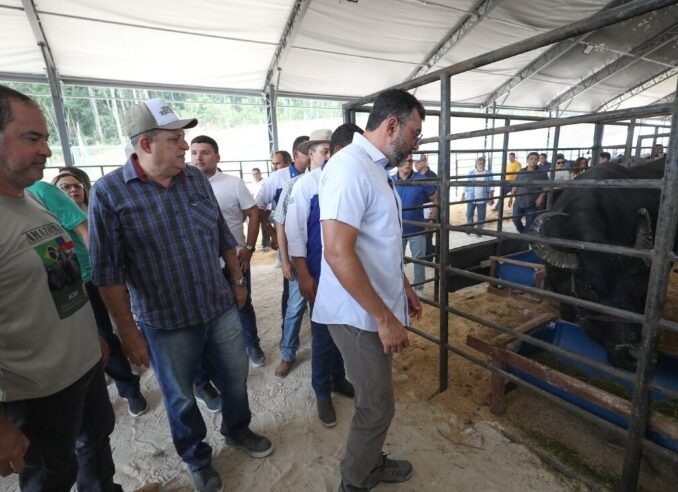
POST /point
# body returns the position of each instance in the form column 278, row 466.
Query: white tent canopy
column 339, row 48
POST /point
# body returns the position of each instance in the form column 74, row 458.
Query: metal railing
column 661, row 255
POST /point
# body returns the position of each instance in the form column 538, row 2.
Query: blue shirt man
column 302, row 227
column 413, row 198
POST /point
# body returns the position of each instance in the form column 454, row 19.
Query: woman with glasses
column 73, row 187
column 70, row 183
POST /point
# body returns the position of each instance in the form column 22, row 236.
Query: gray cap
column 151, row 115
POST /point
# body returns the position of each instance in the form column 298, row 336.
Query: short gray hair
column 150, row 134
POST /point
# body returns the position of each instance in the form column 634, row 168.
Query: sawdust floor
column 451, row 440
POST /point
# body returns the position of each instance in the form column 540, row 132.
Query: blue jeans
column 176, row 356
column 417, row 250
column 327, row 365
column 248, row 320
column 471, row 207
column 118, row 366
column 248, row 317
column 519, row 212
column 294, row 314
column 283, row 303
column 69, row 433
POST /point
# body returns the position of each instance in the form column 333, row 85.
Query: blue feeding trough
column 523, row 268
column 571, row 337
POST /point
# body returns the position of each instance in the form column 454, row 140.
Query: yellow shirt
column 512, row 167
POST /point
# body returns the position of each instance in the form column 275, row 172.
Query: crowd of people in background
column 524, row 201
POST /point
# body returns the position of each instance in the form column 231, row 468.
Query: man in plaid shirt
column 156, row 231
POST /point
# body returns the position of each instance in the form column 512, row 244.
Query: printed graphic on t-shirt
column 57, row 252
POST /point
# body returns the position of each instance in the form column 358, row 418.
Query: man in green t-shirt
column 52, row 387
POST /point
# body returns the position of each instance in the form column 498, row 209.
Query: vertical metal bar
column 654, row 140
column 349, row 115
column 629, row 142
column 654, row 307
column 52, row 77
column 272, row 118
column 60, row 113
column 487, row 125
column 444, row 216
column 597, row 142
column 502, row 189
column 494, row 123
column 639, row 144
column 556, row 141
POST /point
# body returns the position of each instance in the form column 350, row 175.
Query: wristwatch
column 250, row 248
column 241, row 282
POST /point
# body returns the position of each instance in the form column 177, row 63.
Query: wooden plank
column 527, row 327
column 511, row 261
column 658, row 423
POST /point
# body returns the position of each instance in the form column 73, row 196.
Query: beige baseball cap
column 154, row 114
column 317, row 136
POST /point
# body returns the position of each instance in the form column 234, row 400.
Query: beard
column 396, row 152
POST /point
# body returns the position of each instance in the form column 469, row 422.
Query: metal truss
column 455, row 34
column 289, row 32
column 542, row 61
column 667, row 99
column 653, row 44
column 634, row 91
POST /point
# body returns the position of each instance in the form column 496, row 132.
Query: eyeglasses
column 74, row 186
column 418, row 137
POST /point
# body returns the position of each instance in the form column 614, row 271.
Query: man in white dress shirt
column 363, row 295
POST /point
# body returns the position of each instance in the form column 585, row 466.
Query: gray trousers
column 369, row 369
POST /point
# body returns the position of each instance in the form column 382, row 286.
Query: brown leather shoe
column 284, row 368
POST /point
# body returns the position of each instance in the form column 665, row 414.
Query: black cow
column 625, row 217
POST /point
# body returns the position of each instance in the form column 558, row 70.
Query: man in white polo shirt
column 235, row 201
column 363, row 294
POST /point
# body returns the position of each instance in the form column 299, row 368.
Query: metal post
column 597, row 142
column 52, row 78
column 502, row 189
column 444, row 218
column 556, row 141
column 654, row 140
column 349, row 115
column 629, row 142
column 272, row 118
column 654, row 308
column 639, row 143
column 487, row 125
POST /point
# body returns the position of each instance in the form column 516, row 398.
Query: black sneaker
column 209, row 396
column 391, row 471
column 256, row 355
column 137, row 405
column 207, row 480
column 350, row 488
column 253, row 444
column 343, row 387
column 326, row 413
